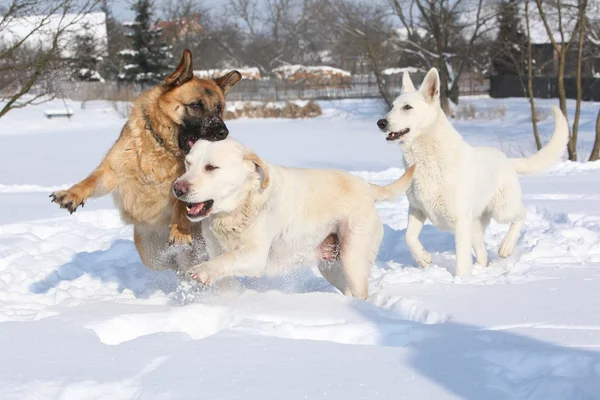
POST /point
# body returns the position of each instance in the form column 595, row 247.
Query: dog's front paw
column 423, row 259
column 482, row 259
column 68, row 199
column 462, row 269
column 179, row 236
column 506, row 248
column 203, row 274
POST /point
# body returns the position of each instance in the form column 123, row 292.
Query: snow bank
column 316, row 74
column 81, row 317
column 249, row 73
column 399, row 71
column 272, row 109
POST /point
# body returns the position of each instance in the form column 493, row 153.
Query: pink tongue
column 191, row 143
column 196, row 209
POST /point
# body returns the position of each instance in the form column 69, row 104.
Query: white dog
column 260, row 218
column 456, row 186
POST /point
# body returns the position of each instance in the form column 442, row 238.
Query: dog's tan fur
column 143, row 163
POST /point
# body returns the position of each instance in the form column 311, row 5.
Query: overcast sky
column 121, row 8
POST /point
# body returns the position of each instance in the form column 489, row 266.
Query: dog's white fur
column 266, row 218
column 456, row 186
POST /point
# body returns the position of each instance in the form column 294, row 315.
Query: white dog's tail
column 395, row 188
column 551, row 152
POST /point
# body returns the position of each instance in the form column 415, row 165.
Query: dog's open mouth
column 186, row 143
column 199, row 210
column 396, row 135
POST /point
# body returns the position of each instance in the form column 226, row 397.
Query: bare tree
column 263, row 28
column 276, row 32
column 530, row 93
column 362, row 29
column 443, row 34
column 511, row 53
column 186, row 26
column 569, row 18
column 115, row 42
column 595, row 155
column 507, row 51
column 33, row 35
column 581, row 34
column 594, row 38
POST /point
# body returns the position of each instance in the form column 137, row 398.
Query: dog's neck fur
column 154, row 125
column 437, row 145
column 227, row 226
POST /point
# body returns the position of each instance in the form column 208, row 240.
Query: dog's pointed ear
column 407, row 83
column 184, row 71
column 430, row 88
column 261, row 166
column 226, row 82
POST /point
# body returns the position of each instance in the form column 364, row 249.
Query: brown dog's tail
column 394, row 189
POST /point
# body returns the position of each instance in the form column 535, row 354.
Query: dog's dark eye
column 197, row 105
column 210, row 167
column 407, row 107
column 218, row 108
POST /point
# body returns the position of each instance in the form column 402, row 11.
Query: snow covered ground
column 82, row 318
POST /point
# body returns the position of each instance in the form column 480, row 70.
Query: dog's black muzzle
column 211, row 128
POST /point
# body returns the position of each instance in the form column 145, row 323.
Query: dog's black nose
column 382, row 123
column 221, row 133
column 180, row 188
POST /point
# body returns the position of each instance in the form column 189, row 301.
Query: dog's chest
column 223, row 238
column 433, row 201
column 144, row 190
column 432, row 188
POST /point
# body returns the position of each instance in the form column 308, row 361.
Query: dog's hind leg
column 463, row 243
column 151, row 247
column 508, row 208
column 416, row 220
column 332, row 271
column 479, row 227
column 360, row 240
column 329, row 264
column 510, row 240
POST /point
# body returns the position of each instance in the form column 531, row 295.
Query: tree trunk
column 383, row 90
column 454, row 94
column 536, row 134
column 562, row 97
column 444, row 99
column 445, row 104
column 573, row 140
column 595, row 155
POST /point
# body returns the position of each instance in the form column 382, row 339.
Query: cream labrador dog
column 262, row 218
column 458, row 187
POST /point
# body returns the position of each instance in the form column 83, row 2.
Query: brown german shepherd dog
column 142, row 165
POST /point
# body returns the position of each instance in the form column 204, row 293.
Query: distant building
column 545, row 58
column 177, row 29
